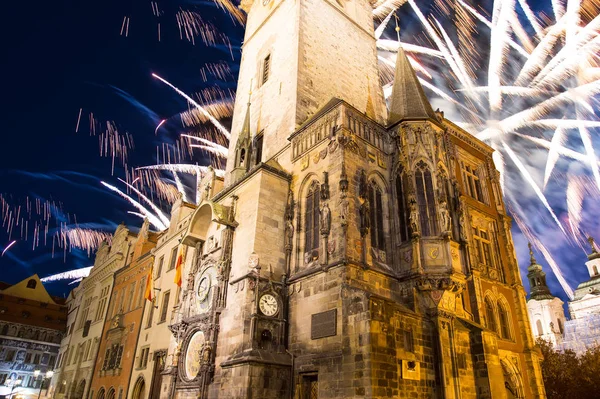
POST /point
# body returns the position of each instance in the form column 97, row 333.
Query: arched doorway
column 139, row 389
column 79, row 391
column 101, row 394
column 111, row 393
column 512, row 380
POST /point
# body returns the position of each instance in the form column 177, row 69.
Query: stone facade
column 347, row 255
column 88, row 304
column 547, row 315
column 114, row 364
column 31, row 327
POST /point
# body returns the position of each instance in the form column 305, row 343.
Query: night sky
column 63, row 56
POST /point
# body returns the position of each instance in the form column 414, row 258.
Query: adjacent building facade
column 114, row 364
column 31, row 327
column 547, row 314
column 89, row 302
column 353, row 251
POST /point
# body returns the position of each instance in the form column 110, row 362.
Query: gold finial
column 531, row 257
column 397, row 27
column 592, row 244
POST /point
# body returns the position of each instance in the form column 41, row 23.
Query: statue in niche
column 414, row 217
column 462, row 220
column 325, row 187
column 325, row 219
column 344, row 205
column 289, row 234
column 364, row 213
column 445, row 222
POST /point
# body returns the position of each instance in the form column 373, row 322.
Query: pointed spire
column 408, row 100
column 537, row 279
column 245, row 133
column 594, row 254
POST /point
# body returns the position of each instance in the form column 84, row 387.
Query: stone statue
column 325, row 187
column 289, row 233
column 462, row 221
column 344, row 205
column 444, row 217
column 414, row 217
column 325, row 219
column 364, row 211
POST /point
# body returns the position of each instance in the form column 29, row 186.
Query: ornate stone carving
column 445, row 221
column 364, row 213
column 325, row 219
column 325, row 187
column 414, row 218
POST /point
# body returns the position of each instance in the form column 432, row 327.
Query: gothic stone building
column 357, row 248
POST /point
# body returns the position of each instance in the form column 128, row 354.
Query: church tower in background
column 353, row 249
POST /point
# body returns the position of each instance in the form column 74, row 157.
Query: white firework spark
column 69, row 275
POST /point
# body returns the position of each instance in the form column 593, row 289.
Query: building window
column 159, row 267
column 143, row 359
column 310, row 386
column 425, row 200
column 150, row 314
column 165, row 306
column 31, row 284
column 173, row 261
column 10, row 355
column 102, row 303
column 402, row 208
column 409, row 345
column 258, row 147
column 36, row 358
column 472, row 182
column 311, row 214
column 490, row 315
column 540, row 330
column 140, row 295
column 106, row 360
column 377, row 236
column 504, row 321
column 266, row 69
column 483, row 246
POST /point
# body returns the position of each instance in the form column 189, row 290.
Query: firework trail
column 8, row 247
column 513, row 78
column 68, row 275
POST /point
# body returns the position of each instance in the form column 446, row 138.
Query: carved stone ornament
column 364, row 213
column 414, row 218
column 445, row 221
column 289, row 235
column 325, row 219
column 344, row 204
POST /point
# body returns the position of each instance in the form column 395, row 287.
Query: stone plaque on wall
column 323, row 324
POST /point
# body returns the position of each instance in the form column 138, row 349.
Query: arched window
column 401, row 190
column 595, row 268
column 311, row 217
column 561, row 328
column 31, row 283
column 377, row 237
column 504, row 320
column 425, row 200
column 540, row 330
column 490, row 315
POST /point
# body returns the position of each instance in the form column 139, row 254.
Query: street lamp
column 48, row 375
column 13, row 383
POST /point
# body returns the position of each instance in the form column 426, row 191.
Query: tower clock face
column 204, row 287
column 268, row 305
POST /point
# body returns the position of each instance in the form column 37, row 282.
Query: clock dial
column 203, row 288
column 268, row 305
column 192, row 355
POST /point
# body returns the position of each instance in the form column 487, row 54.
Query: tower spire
column 537, row 278
column 408, row 100
column 594, row 254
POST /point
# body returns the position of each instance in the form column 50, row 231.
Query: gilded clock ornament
column 268, row 305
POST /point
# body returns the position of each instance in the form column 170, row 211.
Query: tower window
column 312, row 218
column 504, row 320
column 377, row 236
column 490, row 315
column 402, row 211
column 425, row 200
column 595, row 268
column 483, row 246
column 258, row 147
column 266, row 69
column 472, row 182
column 31, row 283
column 540, row 330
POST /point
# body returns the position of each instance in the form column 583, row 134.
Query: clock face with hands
column 204, row 287
column 268, row 305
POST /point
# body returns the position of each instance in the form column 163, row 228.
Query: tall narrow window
column 472, row 182
column 165, row 306
column 402, row 209
column 504, row 320
column 173, row 260
column 377, row 237
column 150, row 314
column 258, row 147
column 159, row 267
column 540, row 330
column 311, row 217
column 490, row 315
column 483, row 246
column 425, row 200
column 131, row 304
column 266, row 70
